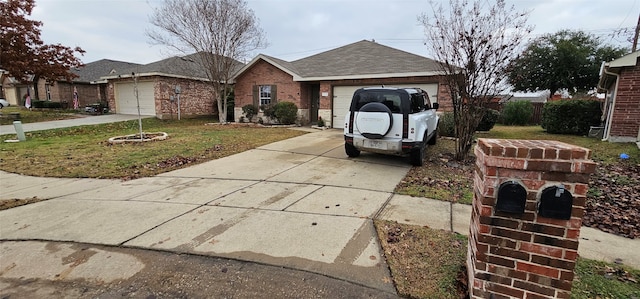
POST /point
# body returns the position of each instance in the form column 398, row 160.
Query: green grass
column 85, row 152
column 35, row 115
column 603, row 151
column 595, row 279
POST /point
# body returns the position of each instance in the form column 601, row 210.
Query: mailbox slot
column 555, row 202
column 512, row 198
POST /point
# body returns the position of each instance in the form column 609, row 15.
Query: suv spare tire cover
column 374, row 120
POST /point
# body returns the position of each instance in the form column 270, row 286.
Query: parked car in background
column 4, row 103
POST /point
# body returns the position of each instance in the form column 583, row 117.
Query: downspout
column 607, row 125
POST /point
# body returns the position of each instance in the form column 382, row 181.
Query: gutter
column 607, row 126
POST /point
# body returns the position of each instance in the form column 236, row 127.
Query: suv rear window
column 417, row 102
column 390, row 98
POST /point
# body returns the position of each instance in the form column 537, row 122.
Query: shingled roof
column 177, row 66
column 363, row 59
column 91, row 72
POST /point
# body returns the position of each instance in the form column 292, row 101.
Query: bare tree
column 473, row 41
column 223, row 32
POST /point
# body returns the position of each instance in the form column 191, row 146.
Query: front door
column 315, row 103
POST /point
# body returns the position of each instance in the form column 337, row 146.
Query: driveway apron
column 298, row 203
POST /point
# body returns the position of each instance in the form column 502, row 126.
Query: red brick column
column 514, row 255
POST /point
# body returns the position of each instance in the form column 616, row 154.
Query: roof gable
column 284, row 66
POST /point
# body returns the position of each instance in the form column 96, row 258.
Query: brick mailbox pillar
column 529, row 198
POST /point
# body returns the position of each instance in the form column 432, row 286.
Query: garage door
column 342, row 99
column 126, row 99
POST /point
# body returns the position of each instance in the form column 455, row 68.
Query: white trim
column 151, row 74
column 607, row 125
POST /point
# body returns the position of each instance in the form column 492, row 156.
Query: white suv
column 396, row 121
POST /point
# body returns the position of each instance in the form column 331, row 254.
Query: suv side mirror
column 435, row 106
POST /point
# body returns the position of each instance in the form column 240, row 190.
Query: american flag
column 27, row 101
column 75, row 98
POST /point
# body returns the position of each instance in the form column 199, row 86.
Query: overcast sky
column 114, row 29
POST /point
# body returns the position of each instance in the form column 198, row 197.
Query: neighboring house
column 619, row 80
column 322, row 85
column 156, row 89
column 90, row 88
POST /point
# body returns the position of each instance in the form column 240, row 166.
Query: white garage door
column 126, row 99
column 342, row 99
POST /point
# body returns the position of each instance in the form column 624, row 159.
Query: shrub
column 573, row 117
column 446, row 126
column 249, row 111
column 285, row 112
column 488, row 120
column 46, row 104
column 517, row 113
column 269, row 110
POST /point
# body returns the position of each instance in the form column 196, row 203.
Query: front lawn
column 35, row 115
column 85, row 152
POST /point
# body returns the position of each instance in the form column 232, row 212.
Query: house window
column 265, row 94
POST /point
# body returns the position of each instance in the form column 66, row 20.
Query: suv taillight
column 405, row 126
column 351, row 115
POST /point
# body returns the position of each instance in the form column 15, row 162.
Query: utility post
column 178, row 91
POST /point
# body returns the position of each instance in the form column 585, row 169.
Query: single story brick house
column 620, row 80
column 90, row 88
column 156, row 85
column 322, row 85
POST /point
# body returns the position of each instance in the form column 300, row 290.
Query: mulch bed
column 613, row 201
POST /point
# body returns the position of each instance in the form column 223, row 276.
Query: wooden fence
column 536, row 117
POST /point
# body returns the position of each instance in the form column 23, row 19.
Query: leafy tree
column 23, row 54
column 473, row 42
column 567, row 59
column 222, row 31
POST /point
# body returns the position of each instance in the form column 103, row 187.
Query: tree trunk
column 35, row 96
column 222, row 106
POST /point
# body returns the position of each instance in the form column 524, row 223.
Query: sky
column 115, row 29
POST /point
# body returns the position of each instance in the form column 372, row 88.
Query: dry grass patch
column 6, row 204
column 441, row 177
column 424, row 263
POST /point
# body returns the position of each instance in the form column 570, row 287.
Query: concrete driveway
column 299, row 203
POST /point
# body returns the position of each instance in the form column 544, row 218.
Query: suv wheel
column 434, row 138
column 351, row 150
column 417, row 155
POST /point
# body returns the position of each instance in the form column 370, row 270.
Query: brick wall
column 263, row 73
column 525, row 255
column 625, row 121
column 196, row 98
